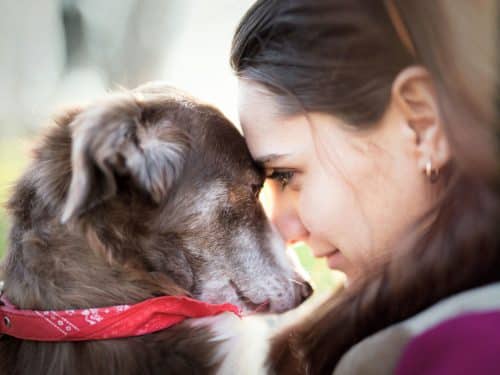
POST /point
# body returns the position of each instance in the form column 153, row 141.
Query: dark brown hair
column 323, row 56
column 341, row 57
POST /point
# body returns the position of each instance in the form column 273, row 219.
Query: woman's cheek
column 319, row 207
column 332, row 214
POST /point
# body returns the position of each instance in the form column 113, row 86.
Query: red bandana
column 102, row 323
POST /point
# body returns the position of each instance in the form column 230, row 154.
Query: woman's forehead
column 256, row 104
column 270, row 133
column 275, row 137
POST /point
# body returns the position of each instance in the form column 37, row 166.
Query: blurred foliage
column 3, row 233
column 322, row 279
column 13, row 159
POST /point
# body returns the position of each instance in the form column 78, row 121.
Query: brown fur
column 105, row 215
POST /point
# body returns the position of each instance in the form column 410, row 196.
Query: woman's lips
column 334, row 259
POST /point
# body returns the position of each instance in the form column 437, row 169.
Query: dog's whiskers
column 296, row 281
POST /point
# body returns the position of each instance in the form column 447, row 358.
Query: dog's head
column 168, row 183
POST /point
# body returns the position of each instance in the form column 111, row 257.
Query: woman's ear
column 414, row 96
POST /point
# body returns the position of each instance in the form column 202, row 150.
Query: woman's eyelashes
column 284, row 178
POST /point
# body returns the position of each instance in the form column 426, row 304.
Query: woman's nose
column 285, row 217
column 289, row 227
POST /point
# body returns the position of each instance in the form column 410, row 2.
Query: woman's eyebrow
column 269, row 158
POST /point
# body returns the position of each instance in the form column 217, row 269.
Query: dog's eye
column 256, row 188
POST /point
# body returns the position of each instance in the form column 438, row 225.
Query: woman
column 376, row 123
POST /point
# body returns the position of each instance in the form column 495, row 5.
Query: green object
column 323, row 279
column 12, row 162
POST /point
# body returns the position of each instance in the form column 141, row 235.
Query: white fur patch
column 209, row 201
column 242, row 344
column 279, row 249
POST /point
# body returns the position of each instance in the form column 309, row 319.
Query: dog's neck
column 242, row 344
column 104, row 323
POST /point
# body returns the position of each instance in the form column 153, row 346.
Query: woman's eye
column 283, row 178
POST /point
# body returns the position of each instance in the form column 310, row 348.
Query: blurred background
column 57, row 52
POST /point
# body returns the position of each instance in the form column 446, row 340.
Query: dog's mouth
column 249, row 304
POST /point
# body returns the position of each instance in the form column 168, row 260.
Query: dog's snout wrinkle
column 247, row 302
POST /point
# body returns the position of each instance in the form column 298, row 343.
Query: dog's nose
column 305, row 291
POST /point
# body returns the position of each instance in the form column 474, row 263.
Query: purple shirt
column 467, row 344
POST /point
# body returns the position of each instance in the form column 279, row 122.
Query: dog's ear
column 113, row 138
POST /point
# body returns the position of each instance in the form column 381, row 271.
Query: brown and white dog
column 142, row 194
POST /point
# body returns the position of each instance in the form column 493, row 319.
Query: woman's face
column 347, row 193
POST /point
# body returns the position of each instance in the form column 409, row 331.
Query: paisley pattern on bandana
column 149, row 316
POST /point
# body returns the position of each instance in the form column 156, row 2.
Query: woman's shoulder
column 466, row 344
column 379, row 353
